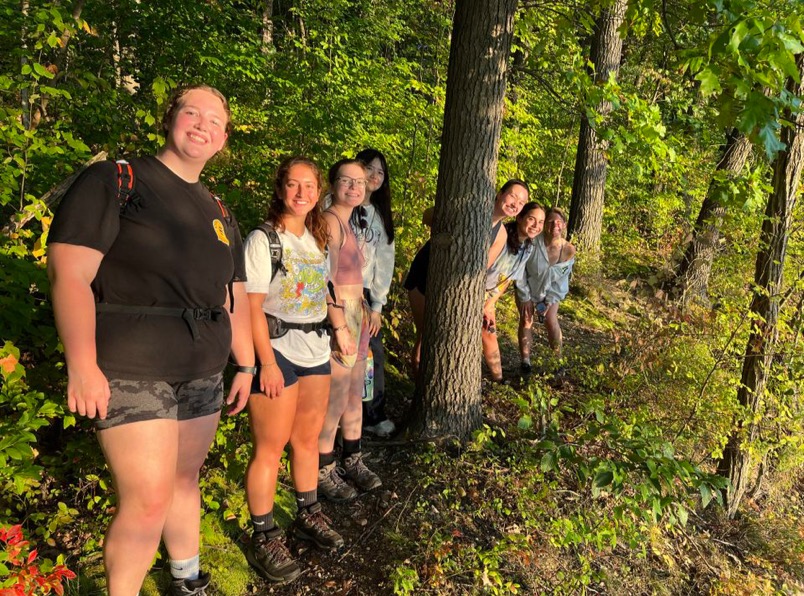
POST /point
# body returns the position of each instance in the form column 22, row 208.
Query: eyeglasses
column 351, row 182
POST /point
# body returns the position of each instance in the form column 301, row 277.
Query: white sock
column 186, row 569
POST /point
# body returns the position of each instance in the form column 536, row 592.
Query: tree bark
column 267, row 45
column 589, row 183
column 692, row 276
column 447, row 398
column 736, row 464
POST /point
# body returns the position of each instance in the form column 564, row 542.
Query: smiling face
column 349, row 186
column 554, row 226
column 530, row 224
column 510, row 201
column 374, row 174
column 197, row 130
column 300, row 190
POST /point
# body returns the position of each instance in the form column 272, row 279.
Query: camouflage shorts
column 134, row 401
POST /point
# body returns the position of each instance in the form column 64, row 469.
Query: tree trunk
column 736, row 463
column 589, row 183
column 447, row 398
column 692, row 276
column 267, row 45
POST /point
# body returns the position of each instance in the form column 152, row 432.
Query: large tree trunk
column 447, row 399
column 692, row 276
column 736, row 464
column 589, row 183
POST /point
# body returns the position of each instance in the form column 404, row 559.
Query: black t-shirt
column 171, row 247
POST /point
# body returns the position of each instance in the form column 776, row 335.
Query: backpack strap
column 275, row 247
column 125, row 183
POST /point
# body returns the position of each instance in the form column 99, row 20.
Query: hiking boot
column 356, row 471
column 190, row 587
column 331, row 485
column 311, row 524
column 383, row 429
column 269, row 555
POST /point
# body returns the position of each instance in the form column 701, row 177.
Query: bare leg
column 183, row 523
column 271, row 423
column 352, row 418
column 525, row 335
column 311, row 408
column 338, row 398
column 553, row 328
column 491, row 352
column 417, row 309
column 142, row 457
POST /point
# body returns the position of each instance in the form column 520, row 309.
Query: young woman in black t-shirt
column 142, row 307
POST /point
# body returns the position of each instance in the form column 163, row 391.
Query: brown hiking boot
column 311, row 524
column 331, row 485
column 269, row 555
column 357, row 471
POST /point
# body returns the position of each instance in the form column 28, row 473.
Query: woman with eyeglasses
column 545, row 284
column 348, row 184
column 289, row 395
column 373, row 223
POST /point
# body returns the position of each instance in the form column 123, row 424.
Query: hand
column 526, row 310
column 346, row 344
column 88, row 392
column 238, row 394
column 272, row 382
column 489, row 317
column 375, row 322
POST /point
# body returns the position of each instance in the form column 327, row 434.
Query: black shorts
column 417, row 275
column 135, row 401
column 291, row 372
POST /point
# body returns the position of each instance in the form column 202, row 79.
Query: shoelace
column 337, row 475
column 320, row 522
column 277, row 551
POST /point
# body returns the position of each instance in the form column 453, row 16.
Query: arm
column 381, row 282
column 242, row 349
column 497, row 246
column 271, row 380
column 71, row 269
column 335, row 312
column 490, row 306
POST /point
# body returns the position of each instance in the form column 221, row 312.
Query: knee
column 150, row 506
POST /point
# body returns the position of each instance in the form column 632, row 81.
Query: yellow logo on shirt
column 219, row 232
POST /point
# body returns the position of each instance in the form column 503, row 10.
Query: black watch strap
column 249, row 370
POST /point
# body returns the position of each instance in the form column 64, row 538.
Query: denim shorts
column 135, row 401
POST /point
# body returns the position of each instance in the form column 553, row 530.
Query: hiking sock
column 324, row 459
column 185, row 569
column 263, row 523
column 306, row 498
column 350, row 447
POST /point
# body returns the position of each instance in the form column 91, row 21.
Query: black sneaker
column 311, row 524
column 190, row 587
column 269, row 555
column 526, row 368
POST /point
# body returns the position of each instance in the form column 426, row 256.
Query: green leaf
column 771, row 142
column 710, row 82
column 706, row 495
column 42, row 71
column 603, row 479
